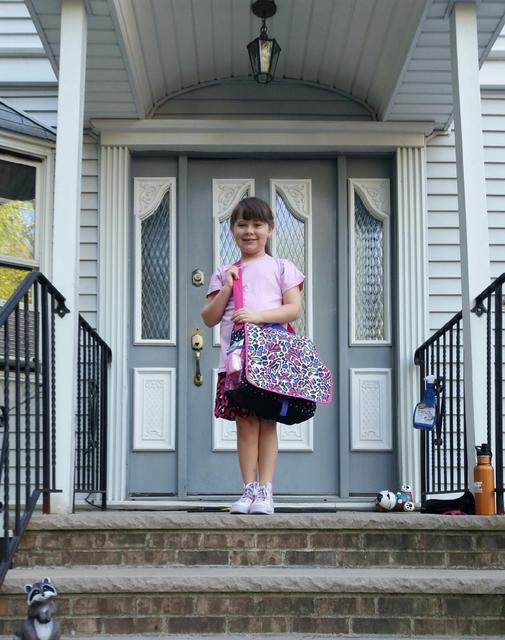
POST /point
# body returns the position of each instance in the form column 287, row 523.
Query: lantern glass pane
column 265, row 55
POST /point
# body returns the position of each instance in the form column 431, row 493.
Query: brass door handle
column 197, row 343
column 197, row 378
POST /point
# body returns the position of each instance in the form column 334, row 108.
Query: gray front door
column 190, row 200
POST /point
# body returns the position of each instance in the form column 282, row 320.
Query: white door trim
column 411, row 251
column 114, row 298
column 261, row 135
column 411, row 304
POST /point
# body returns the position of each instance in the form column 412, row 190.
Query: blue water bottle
column 425, row 413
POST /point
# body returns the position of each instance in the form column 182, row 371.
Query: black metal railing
column 28, row 400
column 443, row 449
column 490, row 304
column 94, row 357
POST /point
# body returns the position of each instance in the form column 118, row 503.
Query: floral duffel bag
column 275, row 373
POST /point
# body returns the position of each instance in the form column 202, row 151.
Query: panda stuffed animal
column 400, row 501
column 40, row 623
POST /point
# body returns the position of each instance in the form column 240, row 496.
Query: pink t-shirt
column 264, row 282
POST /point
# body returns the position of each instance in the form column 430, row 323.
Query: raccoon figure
column 40, row 623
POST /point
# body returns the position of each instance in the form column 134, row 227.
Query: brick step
column 203, row 600
column 345, row 539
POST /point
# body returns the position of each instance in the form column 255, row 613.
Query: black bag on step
column 464, row 502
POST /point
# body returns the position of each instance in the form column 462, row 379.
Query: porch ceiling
column 393, row 55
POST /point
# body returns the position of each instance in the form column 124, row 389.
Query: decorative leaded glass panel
column 369, row 274
column 227, row 246
column 155, row 272
column 228, row 250
column 290, row 244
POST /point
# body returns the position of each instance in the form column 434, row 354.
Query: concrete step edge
column 126, row 579
column 263, row 636
column 226, row 521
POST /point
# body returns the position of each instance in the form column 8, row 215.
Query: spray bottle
column 483, row 482
column 425, row 413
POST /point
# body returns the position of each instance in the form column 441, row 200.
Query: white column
column 67, row 205
column 114, row 304
column 473, row 223
column 412, row 296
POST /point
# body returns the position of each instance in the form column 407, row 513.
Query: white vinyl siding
column 88, row 257
column 442, row 203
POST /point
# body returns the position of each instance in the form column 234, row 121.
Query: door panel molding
column 371, row 412
column 154, row 403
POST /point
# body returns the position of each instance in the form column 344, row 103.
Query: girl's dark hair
column 252, row 209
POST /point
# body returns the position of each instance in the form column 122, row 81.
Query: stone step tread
column 249, row 636
column 128, row 579
column 323, row 521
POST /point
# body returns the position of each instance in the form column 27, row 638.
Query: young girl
column 271, row 291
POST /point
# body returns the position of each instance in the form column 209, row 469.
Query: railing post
column 67, row 198
column 104, row 366
column 473, row 224
column 498, row 398
column 46, row 403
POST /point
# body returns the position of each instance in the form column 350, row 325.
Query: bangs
column 252, row 209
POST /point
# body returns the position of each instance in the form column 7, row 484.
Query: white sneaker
column 264, row 502
column 243, row 504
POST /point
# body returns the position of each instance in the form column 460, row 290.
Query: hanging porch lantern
column 263, row 51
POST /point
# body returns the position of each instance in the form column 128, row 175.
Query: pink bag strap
column 237, row 293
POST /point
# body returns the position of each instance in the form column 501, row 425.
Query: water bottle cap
column 483, row 450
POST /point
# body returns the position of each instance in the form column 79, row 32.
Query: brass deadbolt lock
column 196, row 340
column 197, row 278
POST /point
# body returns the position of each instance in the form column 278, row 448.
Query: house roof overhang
column 15, row 121
column 393, row 56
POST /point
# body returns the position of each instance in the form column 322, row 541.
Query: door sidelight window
column 369, row 210
column 154, row 208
